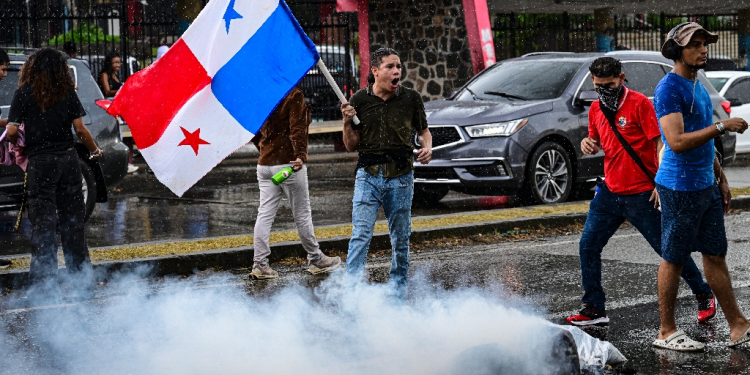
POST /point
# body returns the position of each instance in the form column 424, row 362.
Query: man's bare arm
column 424, row 154
column 590, row 146
column 659, row 144
column 726, row 193
column 351, row 136
column 673, row 127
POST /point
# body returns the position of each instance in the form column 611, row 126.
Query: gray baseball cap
column 683, row 34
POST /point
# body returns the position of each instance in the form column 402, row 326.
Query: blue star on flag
column 230, row 15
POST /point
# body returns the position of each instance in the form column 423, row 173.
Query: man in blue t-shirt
column 693, row 204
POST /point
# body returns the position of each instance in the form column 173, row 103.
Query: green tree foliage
column 85, row 33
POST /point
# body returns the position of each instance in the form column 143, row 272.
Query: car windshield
column 523, row 80
column 718, row 83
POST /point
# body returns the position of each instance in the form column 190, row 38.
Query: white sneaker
column 132, row 168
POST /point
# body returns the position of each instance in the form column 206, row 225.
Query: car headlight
column 496, row 129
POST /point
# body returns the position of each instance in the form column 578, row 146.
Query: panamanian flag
column 212, row 91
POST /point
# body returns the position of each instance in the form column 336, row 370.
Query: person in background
column 109, row 82
column 47, row 104
column 282, row 142
column 4, row 65
column 70, row 49
column 109, row 77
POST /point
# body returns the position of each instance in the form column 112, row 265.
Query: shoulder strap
column 629, row 149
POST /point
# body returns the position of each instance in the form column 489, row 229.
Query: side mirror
column 585, row 98
column 735, row 102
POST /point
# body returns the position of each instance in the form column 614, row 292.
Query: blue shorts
column 691, row 221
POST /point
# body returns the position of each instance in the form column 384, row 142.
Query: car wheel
column 88, row 186
column 549, row 175
column 429, row 194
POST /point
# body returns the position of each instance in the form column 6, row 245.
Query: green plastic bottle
column 283, row 174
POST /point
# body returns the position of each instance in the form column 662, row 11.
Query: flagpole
column 334, row 86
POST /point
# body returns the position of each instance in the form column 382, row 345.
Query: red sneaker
column 589, row 316
column 706, row 307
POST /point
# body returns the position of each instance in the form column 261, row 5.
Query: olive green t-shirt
column 388, row 125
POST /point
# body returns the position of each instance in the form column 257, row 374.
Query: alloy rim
column 84, row 189
column 551, row 176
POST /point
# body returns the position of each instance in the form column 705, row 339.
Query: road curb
column 187, row 264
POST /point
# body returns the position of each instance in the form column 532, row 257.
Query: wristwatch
column 720, row 127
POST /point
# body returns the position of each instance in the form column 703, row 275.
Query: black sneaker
column 4, row 263
column 589, row 316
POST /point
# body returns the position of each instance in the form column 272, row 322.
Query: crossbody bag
column 629, row 149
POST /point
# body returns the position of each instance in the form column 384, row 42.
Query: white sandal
column 679, row 341
column 743, row 339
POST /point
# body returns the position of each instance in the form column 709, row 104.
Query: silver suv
column 516, row 128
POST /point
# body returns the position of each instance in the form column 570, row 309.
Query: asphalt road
column 543, row 277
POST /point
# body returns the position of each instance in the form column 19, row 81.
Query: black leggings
column 55, row 200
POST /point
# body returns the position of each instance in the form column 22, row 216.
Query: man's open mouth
column 394, row 82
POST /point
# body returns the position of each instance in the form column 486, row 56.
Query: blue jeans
column 606, row 213
column 395, row 195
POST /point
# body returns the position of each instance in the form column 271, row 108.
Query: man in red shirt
column 628, row 192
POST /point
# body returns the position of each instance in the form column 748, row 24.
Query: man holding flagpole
column 388, row 113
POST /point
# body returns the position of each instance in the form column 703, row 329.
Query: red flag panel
column 151, row 98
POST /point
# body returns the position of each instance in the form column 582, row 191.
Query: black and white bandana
column 609, row 98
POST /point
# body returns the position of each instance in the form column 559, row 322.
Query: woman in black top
column 109, row 80
column 47, row 104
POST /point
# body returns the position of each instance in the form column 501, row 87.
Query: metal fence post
column 34, row 9
column 566, row 31
column 614, row 39
column 513, row 34
column 124, row 32
column 663, row 27
column 347, row 50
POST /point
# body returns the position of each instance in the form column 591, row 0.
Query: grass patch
column 186, row 247
column 736, row 192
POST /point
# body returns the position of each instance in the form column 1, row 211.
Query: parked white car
column 734, row 86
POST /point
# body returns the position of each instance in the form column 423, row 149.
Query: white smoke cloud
column 214, row 327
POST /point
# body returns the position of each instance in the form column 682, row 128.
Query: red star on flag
column 192, row 139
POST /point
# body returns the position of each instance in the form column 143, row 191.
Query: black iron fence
column 519, row 34
column 332, row 33
column 131, row 28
